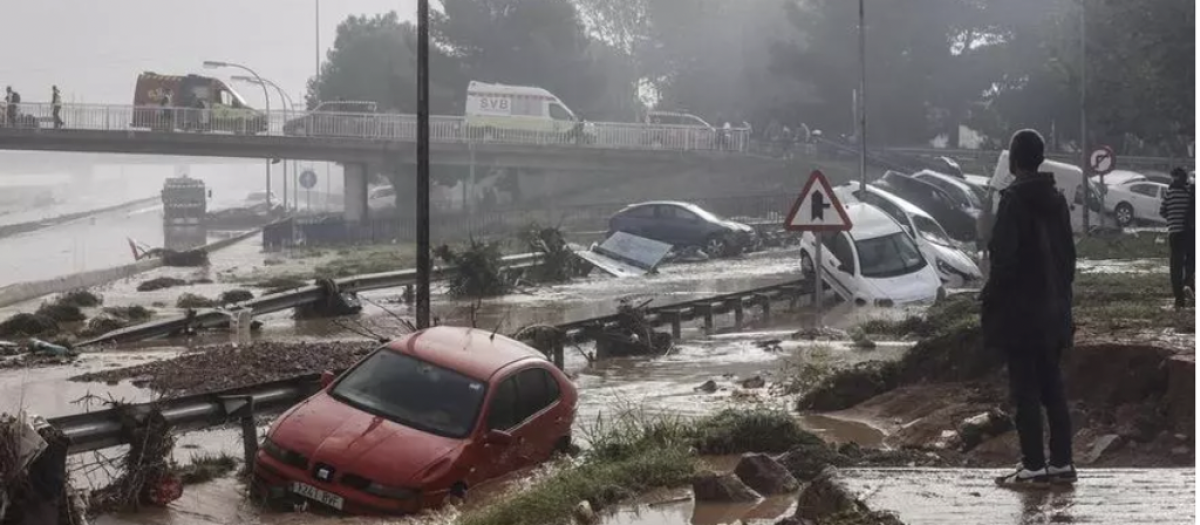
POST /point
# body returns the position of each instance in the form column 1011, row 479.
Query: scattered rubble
column 632, row 335
column 827, row 501
column 223, row 367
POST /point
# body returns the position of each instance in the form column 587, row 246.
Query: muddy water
column 1123, row 266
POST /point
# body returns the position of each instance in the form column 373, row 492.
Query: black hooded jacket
column 1027, row 298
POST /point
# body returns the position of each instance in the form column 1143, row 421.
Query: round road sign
column 1102, row 160
column 308, row 179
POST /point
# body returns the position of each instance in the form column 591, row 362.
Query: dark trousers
column 1035, row 380
column 1183, row 263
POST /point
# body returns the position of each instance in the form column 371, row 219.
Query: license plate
column 318, row 495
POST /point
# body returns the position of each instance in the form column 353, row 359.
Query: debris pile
column 191, row 300
column 478, row 270
column 147, row 474
column 235, row 296
column 223, row 367
column 27, row 325
column 34, row 487
column 631, row 335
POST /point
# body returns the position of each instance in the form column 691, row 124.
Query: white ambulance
column 508, row 113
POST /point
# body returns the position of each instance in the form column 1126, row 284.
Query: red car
column 428, row 415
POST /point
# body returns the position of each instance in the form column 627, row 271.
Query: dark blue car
column 683, row 224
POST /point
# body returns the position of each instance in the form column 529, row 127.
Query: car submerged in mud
column 427, row 416
column 877, row 262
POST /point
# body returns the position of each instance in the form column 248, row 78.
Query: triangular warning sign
column 817, row 208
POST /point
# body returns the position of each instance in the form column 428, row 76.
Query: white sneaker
column 1024, row 476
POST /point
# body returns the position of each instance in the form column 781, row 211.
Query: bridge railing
column 371, row 127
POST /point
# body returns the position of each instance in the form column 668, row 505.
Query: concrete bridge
column 366, row 144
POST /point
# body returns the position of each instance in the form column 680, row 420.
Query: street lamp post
column 216, row 64
column 423, row 259
column 862, row 92
column 286, row 100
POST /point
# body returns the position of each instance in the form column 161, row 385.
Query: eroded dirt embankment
column 1132, row 403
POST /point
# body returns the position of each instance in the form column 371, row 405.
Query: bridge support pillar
column 355, row 191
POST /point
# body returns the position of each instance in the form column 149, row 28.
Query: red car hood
column 353, row 441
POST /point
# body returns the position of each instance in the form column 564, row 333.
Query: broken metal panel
column 626, row 255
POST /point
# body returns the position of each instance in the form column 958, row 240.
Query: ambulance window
column 557, row 112
column 526, row 107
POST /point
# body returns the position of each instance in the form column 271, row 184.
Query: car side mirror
column 497, row 437
column 327, row 378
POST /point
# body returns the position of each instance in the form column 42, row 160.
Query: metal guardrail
column 211, row 318
column 370, row 127
column 103, row 428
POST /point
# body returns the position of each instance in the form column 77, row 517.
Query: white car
column 958, row 190
column 1135, row 200
column 954, row 267
column 876, row 261
column 382, row 197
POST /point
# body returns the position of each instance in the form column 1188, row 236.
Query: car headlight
column 384, row 491
column 283, row 455
column 945, row 267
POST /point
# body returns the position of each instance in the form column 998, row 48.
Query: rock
column 724, row 488
column 1100, row 446
column 828, row 498
column 770, row 345
column 807, row 461
column 976, row 429
column 765, row 475
column 708, row 387
column 583, row 513
column 754, row 382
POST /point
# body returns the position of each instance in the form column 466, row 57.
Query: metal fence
column 369, row 127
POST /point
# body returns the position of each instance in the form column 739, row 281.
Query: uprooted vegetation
column 234, row 296
column 191, row 300
column 478, row 269
column 559, row 262
column 160, row 283
column 80, row 298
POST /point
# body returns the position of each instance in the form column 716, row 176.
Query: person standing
column 9, row 109
column 1026, row 308
column 1179, row 209
column 56, row 106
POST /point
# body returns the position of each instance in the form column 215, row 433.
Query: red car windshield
column 413, row 393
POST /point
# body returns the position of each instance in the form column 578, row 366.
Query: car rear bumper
column 272, row 481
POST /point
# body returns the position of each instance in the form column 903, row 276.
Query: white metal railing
column 360, row 126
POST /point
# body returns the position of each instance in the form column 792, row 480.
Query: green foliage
column 479, row 270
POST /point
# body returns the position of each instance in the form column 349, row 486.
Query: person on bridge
column 56, row 106
column 11, row 99
column 1179, row 209
column 1026, row 308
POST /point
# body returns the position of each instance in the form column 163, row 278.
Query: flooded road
column 90, row 243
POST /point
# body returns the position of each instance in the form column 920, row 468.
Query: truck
column 185, row 208
column 192, row 103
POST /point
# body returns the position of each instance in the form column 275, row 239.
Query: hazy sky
column 94, row 49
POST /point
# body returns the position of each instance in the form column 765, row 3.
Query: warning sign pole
column 820, row 279
column 817, row 210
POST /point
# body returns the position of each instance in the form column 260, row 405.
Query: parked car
column 432, row 414
column 683, row 224
column 957, row 188
column 956, row 219
column 382, row 197
column 1135, row 200
column 337, row 118
column 678, row 130
column 877, row 261
column 955, row 268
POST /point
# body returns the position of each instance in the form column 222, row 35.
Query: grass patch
column 62, row 313
column 633, row 452
column 207, row 467
column 135, row 313
column 366, row 260
column 160, row 283
column 1133, row 245
column 191, row 300
column 235, row 296
column 27, row 325
column 281, row 283
column 80, row 298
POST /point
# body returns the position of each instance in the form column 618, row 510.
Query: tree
column 535, row 43
column 375, row 59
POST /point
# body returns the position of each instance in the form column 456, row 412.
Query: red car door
column 541, row 425
column 496, row 459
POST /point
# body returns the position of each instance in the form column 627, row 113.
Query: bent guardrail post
column 242, row 407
